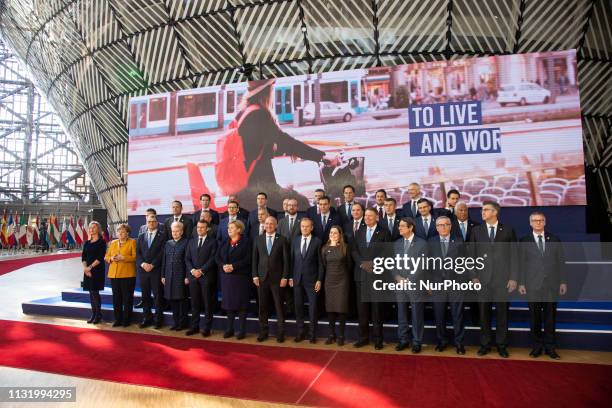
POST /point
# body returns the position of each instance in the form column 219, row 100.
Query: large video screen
column 503, row 128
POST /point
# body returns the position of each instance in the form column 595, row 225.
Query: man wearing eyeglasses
column 542, row 280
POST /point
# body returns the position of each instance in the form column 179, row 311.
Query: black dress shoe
column 460, row 349
column 441, row 347
column 340, row 341
column 228, row 334
column 98, row 319
column 312, row 340
column 91, row 319
column 117, row 324
column 361, row 343
column 206, row 333
column 536, row 352
column 158, row 325
column 127, row 324
column 416, row 348
column 280, row 338
column 174, row 327
column 483, row 351
column 378, row 345
column 262, row 337
column 502, row 352
column 553, row 354
column 299, row 338
column 145, row 323
column 330, row 339
column 401, row 346
column 240, row 336
column 192, row 331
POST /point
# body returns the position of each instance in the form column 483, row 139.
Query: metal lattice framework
column 90, row 57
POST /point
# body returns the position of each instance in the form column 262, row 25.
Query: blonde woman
column 93, row 269
column 121, row 258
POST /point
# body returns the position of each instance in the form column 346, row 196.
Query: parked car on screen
column 522, row 94
column 330, row 112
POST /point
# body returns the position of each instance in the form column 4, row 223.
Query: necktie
column 200, row 243
column 406, row 246
column 462, row 225
column 541, row 244
column 176, row 219
column 391, row 225
column 492, row 234
column 380, row 213
column 349, row 208
column 324, row 220
column 150, row 239
column 269, row 244
column 444, row 248
column 369, row 236
column 304, row 247
column 356, row 226
column 414, row 208
column 426, row 226
column 290, row 224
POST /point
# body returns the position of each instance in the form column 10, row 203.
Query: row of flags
column 19, row 230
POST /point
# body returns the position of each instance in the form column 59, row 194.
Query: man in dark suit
column 446, row 247
column 242, row 213
column 212, row 228
column 325, row 220
column 257, row 227
column 201, row 271
column 379, row 198
column 144, row 227
column 314, row 211
column 425, row 222
column 306, row 277
column 452, row 197
column 149, row 251
column 177, row 216
column 205, row 200
column 289, row 225
column 542, row 279
column 345, row 210
column 271, row 262
column 369, row 243
column 262, row 202
column 391, row 219
column 413, row 247
column 495, row 243
column 355, row 223
column 232, row 209
column 410, row 208
column 462, row 224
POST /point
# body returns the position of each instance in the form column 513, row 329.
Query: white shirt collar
column 536, row 235
column 409, row 239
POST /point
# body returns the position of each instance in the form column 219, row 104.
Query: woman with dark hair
column 336, row 261
column 234, row 260
column 94, row 250
column 263, row 139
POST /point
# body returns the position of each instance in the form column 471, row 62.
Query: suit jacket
column 222, row 229
column 456, row 249
column 152, row 255
column 406, row 210
column 283, row 227
column 254, row 230
column 201, row 258
column 214, row 214
column 362, row 252
column 349, row 235
column 418, row 248
column 308, row 268
column 535, row 266
column 187, row 225
column 243, row 215
column 344, row 216
column 419, row 229
column 212, row 231
column 500, row 256
column 456, row 229
column 144, row 228
column 275, row 265
column 322, row 231
column 395, row 234
column 174, row 269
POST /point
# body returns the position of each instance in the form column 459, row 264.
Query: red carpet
column 294, row 375
column 10, row 265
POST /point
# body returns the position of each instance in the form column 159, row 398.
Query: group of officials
column 323, row 256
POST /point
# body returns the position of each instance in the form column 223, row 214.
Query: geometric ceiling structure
column 90, row 57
